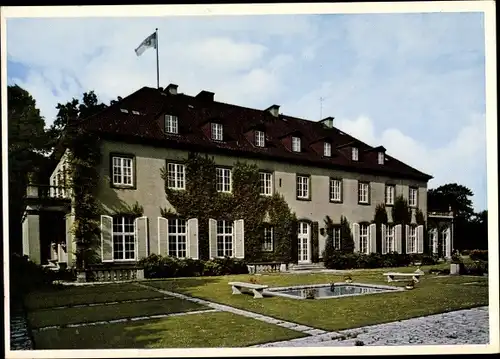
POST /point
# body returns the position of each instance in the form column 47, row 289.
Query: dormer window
column 171, row 124
column 355, row 154
column 217, row 131
column 327, row 149
column 295, row 144
column 260, row 139
column 381, row 158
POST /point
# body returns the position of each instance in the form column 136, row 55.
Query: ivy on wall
column 401, row 214
column 83, row 158
column 201, row 200
column 134, row 211
column 380, row 218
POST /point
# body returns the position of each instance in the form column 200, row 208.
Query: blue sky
column 414, row 82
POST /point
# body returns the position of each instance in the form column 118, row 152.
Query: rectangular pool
column 325, row 291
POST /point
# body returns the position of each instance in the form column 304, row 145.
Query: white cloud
column 413, row 83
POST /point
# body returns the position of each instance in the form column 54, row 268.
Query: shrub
column 476, row 268
column 156, row 266
column 26, row 276
column 429, row 260
column 478, row 254
column 339, row 260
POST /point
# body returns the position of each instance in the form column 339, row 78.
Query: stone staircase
column 306, row 267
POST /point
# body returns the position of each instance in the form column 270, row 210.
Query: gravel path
column 470, row 326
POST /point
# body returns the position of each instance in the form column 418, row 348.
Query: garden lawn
column 61, row 317
column 70, row 296
column 219, row 329
column 434, row 294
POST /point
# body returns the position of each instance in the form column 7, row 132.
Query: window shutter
column 382, row 234
column 141, row 238
column 373, row 238
column 212, row 237
column 106, row 238
column 192, row 238
column 397, row 234
column 162, row 235
column 436, row 242
column 355, row 236
column 407, row 231
column 239, row 238
column 420, row 239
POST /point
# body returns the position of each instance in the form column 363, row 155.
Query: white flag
column 150, row 41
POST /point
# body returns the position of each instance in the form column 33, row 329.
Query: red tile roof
column 193, row 112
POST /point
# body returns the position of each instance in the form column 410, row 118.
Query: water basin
column 325, row 291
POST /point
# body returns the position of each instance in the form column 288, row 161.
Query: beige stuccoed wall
column 150, row 191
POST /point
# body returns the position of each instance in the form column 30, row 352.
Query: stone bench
column 391, row 276
column 256, row 289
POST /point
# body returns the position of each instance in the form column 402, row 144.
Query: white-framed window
column 381, row 158
column 268, row 243
column 176, row 176
column 260, row 139
column 390, row 190
column 412, row 200
column 355, row 154
column 296, row 144
column 122, row 171
column 266, row 183
column 335, row 190
column 171, row 124
column 223, row 179
column 123, row 238
column 327, row 149
column 390, row 238
column 412, row 240
column 217, row 131
column 225, row 238
column 177, row 235
column 363, row 192
column 336, row 238
column 363, row 238
column 303, row 187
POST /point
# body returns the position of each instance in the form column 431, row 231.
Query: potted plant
column 348, row 278
column 456, row 264
column 410, row 285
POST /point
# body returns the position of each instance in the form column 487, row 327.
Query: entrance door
column 304, row 242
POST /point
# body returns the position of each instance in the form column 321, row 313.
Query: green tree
column 401, row 214
column 457, row 198
column 27, row 144
column 379, row 219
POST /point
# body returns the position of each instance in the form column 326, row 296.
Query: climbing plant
column 201, row 200
column 84, row 155
column 329, row 250
column 401, row 214
column 380, row 218
column 346, row 239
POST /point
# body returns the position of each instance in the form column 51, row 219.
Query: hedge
column 157, row 266
column 478, row 255
column 339, row 260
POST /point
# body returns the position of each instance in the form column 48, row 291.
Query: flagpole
column 157, row 63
